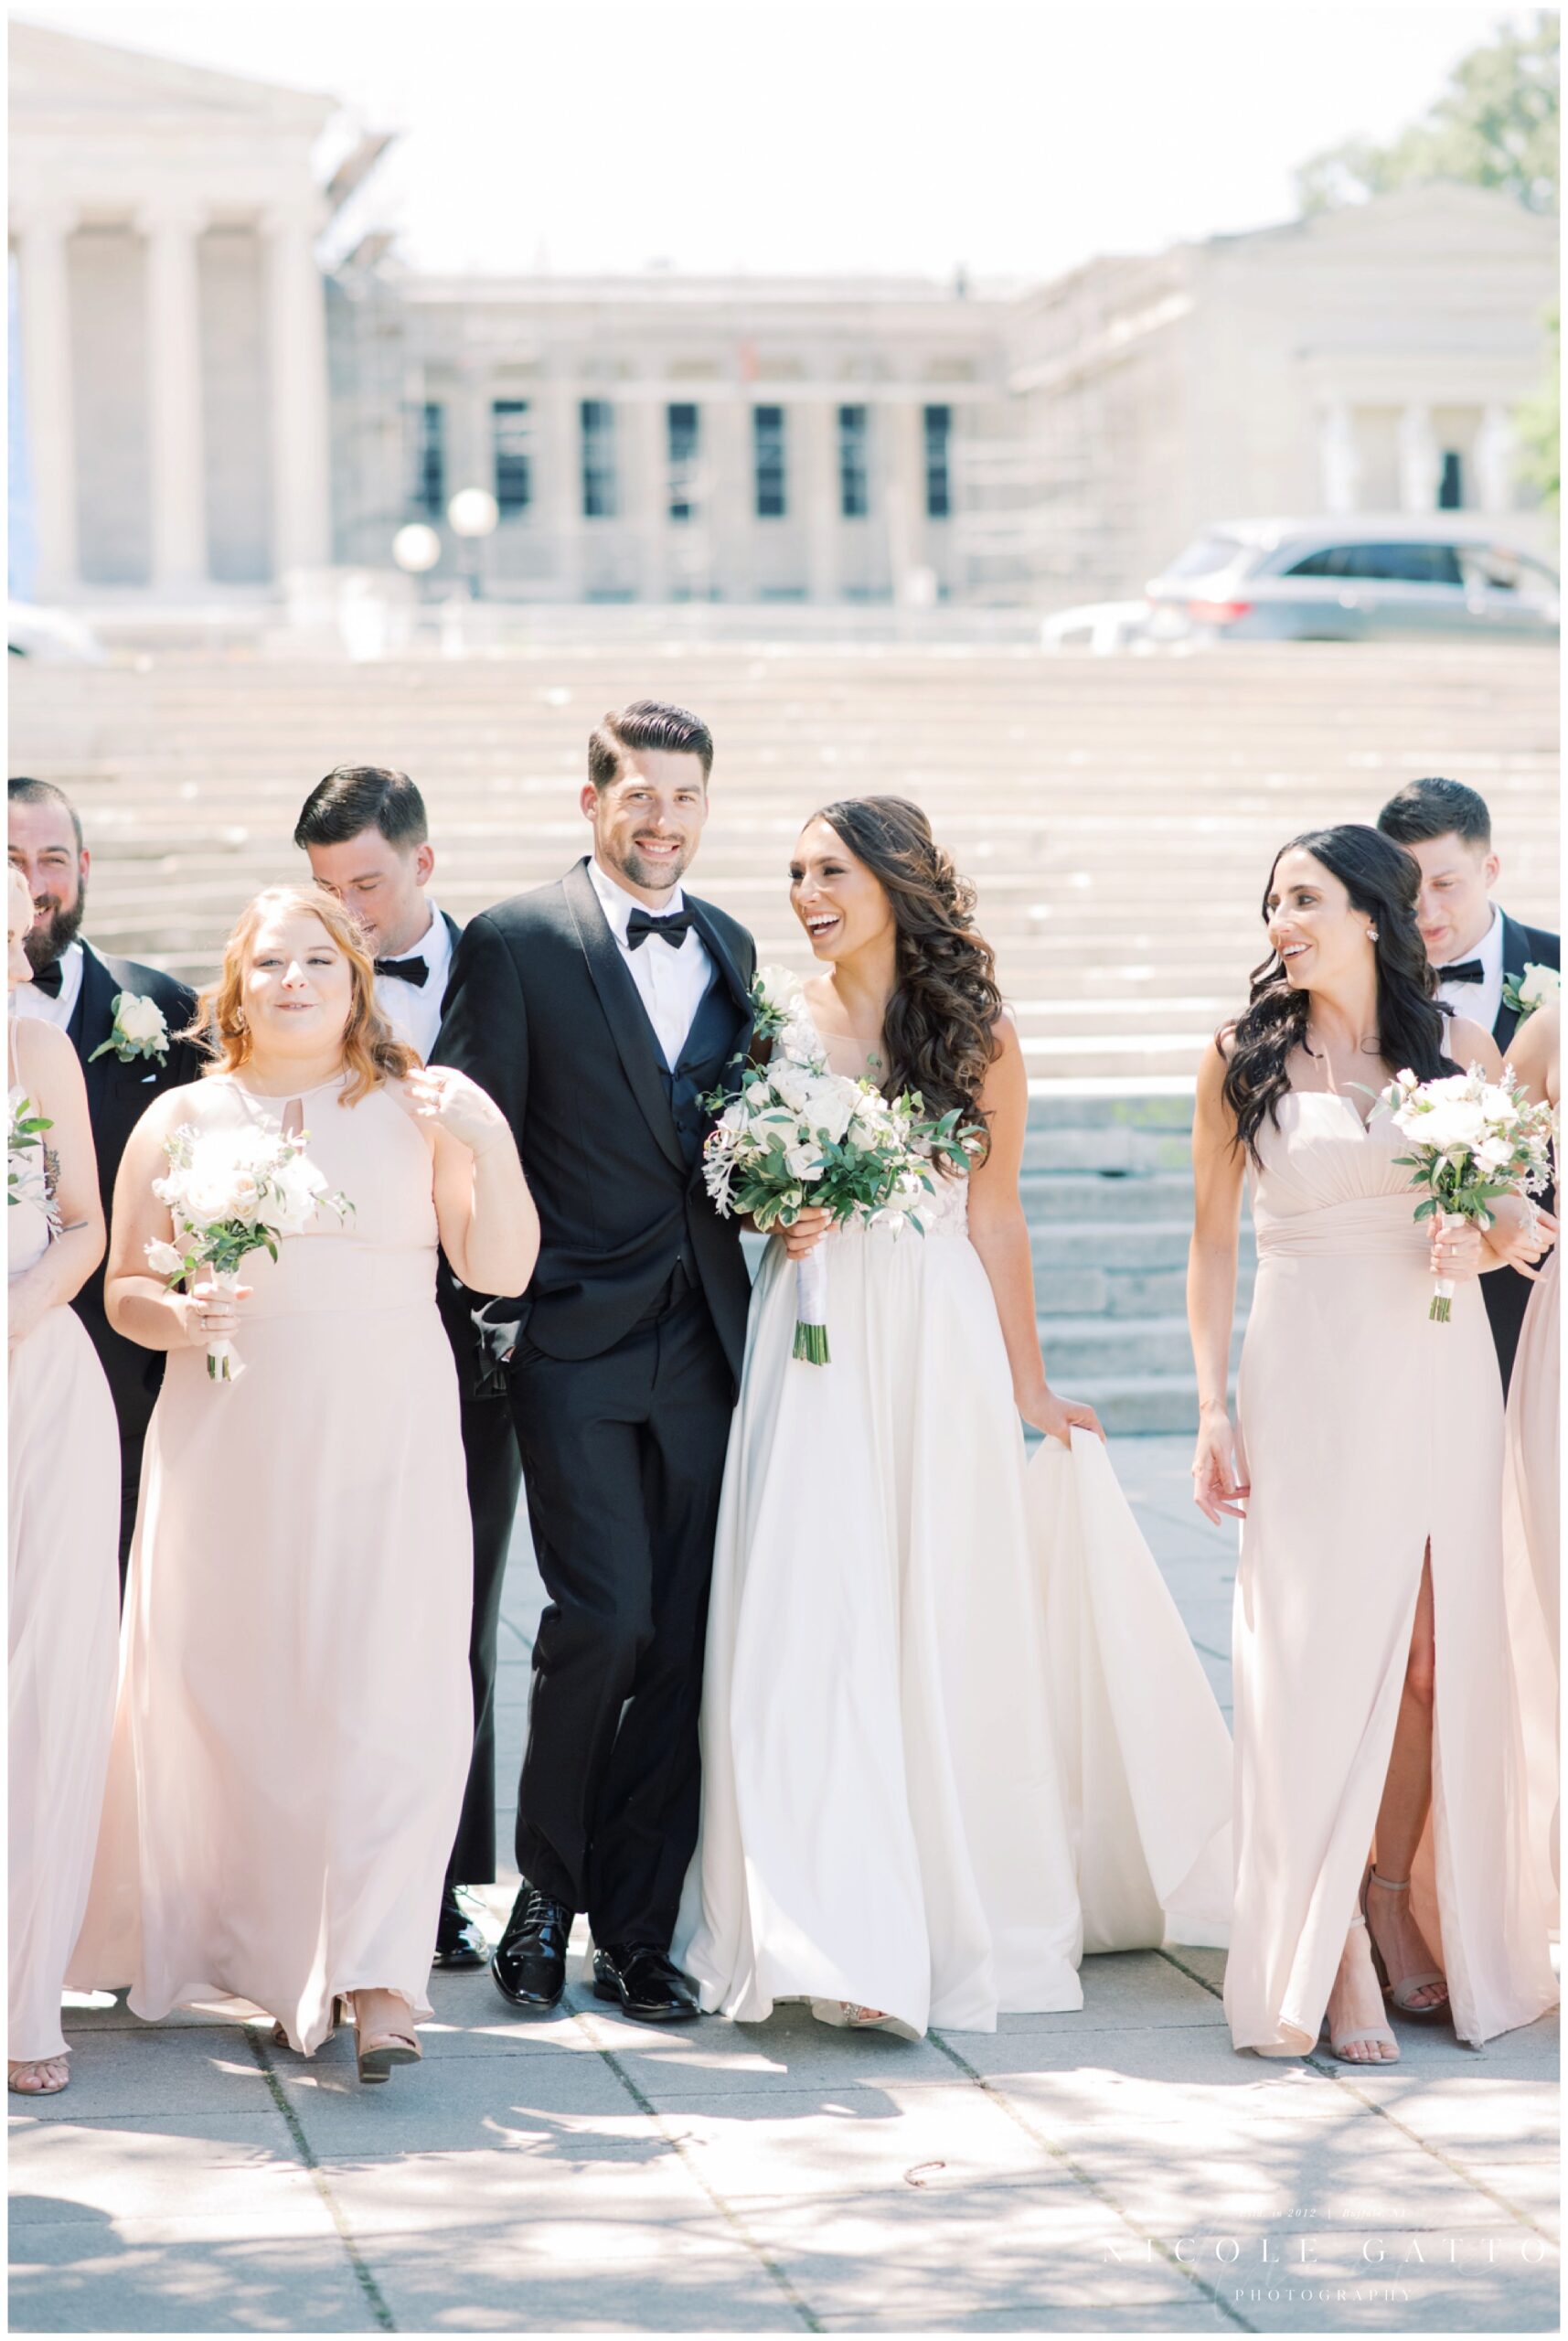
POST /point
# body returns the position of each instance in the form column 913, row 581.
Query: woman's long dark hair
column 940, row 1027
column 1382, row 882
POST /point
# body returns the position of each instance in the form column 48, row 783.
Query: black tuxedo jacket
column 1505, row 1291
column 1522, row 946
column 117, row 1096
column 541, row 1012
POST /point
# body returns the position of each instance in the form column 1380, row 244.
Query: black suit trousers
column 623, row 1459
column 494, row 1478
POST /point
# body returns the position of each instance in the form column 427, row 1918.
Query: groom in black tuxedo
column 1478, row 952
column 76, row 986
column 598, row 1013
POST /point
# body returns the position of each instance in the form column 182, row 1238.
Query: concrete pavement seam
column 731, row 2216
column 1336, row 2073
column 375, row 2300
column 1101, row 2192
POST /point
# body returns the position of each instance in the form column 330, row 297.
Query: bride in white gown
column 954, row 1732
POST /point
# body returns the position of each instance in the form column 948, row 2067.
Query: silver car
column 1361, row 578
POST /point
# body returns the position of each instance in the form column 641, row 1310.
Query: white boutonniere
column 138, row 1031
column 1525, row 994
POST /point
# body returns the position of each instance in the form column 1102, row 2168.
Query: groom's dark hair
column 1431, row 808
column 356, row 797
column 647, row 723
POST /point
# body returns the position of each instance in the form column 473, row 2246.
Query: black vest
column 704, row 1058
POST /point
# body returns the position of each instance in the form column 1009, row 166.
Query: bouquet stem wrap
column 224, row 1362
column 811, row 1306
column 1443, row 1290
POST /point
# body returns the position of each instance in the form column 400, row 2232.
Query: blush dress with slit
column 295, row 1720
column 1366, row 1431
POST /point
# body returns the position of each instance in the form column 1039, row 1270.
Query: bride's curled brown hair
column 941, row 1022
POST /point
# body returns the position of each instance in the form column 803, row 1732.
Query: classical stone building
column 208, row 412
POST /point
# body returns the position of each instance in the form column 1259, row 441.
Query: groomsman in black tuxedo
column 364, row 831
column 129, row 1055
column 1478, row 952
column 598, row 1013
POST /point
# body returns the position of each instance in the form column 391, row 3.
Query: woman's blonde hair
column 371, row 1053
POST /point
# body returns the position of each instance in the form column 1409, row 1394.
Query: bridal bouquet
column 1471, row 1141
column 231, row 1192
column 798, row 1137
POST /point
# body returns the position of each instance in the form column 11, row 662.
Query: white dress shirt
column 28, row 1000
column 670, row 981
column 413, row 1010
column 1480, row 1003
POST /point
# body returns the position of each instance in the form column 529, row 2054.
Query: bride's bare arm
column 999, row 1233
column 48, row 1068
column 1217, row 1169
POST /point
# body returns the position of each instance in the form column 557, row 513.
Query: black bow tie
column 674, row 929
column 1463, row 971
column 48, row 978
column 407, row 971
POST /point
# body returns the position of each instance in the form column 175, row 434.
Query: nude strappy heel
column 1398, row 1993
column 1379, row 2032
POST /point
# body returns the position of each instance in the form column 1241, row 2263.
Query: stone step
column 1138, row 1403
column 1091, row 1349
column 1162, row 1195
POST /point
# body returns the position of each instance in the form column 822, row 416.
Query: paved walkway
column 1119, row 2170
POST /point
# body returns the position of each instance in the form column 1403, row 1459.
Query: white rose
column 165, row 1259
column 297, row 1185
column 735, row 1116
column 141, row 1019
column 205, row 1198
column 1495, row 1153
column 790, row 1082
column 1407, row 1080
column 831, row 1106
column 1539, row 986
column 801, row 1162
column 780, row 990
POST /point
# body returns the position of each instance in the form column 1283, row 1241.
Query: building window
column 429, row 459
column 1451, row 486
column 599, row 498
column 938, row 481
column 854, row 470
column 768, row 457
column 510, row 440
column 682, row 438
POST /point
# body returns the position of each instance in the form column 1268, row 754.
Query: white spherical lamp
column 473, row 512
column 416, row 548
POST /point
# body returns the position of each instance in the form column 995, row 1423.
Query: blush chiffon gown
column 1366, row 1431
column 1533, row 1549
column 63, row 1531
column 954, row 1732
column 294, row 1719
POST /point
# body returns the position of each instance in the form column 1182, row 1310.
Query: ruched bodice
column 1331, row 1187
column 381, row 1255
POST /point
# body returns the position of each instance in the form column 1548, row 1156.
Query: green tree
column 1495, row 125
column 1540, row 461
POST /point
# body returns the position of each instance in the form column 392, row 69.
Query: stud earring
column 1371, row 934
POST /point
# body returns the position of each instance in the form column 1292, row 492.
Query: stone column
column 296, row 343
column 649, row 486
column 43, row 250
column 177, row 477
column 560, row 483
column 1496, row 457
column 903, row 490
column 1339, row 457
column 1420, row 460
column 816, row 425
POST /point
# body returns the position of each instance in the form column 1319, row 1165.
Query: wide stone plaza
column 1121, row 2170
column 1117, row 2170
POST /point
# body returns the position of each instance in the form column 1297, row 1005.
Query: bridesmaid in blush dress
column 63, row 1470
column 1375, row 1712
column 1532, row 1526
column 294, row 1727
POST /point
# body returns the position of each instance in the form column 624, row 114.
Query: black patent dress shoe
column 458, row 1941
column 645, row 1980
column 528, row 1963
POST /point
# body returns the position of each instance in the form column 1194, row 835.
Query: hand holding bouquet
column 797, row 1135
column 230, row 1191
column 1472, row 1142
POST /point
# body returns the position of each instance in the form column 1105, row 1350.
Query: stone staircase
column 1118, row 815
